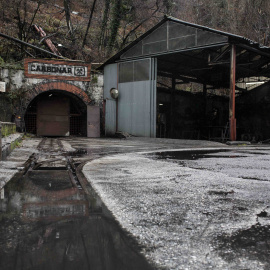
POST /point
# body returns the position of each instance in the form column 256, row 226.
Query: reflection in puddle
column 78, row 153
column 44, row 227
column 50, row 180
column 55, row 211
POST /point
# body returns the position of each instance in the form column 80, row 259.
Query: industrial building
column 150, row 73
column 54, row 98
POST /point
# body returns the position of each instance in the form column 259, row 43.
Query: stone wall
column 6, row 108
column 7, row 128
column 20, row 90
column 15, row 80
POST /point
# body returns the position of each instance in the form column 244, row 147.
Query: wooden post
column 232, row 94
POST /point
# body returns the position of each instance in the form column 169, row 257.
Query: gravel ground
column 206, row 213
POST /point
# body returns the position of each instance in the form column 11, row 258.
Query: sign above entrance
column 62, row 70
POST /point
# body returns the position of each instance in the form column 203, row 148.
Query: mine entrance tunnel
column 56, row 113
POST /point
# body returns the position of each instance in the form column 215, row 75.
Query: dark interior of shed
column 202, row 112
column 253, row 114
column 187, row 113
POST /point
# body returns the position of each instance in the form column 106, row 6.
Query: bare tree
column 68, row 20
column 89, row 23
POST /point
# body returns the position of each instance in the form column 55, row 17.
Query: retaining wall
column 7, row 128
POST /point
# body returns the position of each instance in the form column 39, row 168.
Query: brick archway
column 60, row 86
column 38, row 89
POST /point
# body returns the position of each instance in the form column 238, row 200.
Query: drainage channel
column 51, row 219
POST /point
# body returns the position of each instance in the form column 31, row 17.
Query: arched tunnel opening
column 56, row 113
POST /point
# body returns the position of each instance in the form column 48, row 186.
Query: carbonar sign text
column 57, row 70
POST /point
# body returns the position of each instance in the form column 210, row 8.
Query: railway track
column 53, row 157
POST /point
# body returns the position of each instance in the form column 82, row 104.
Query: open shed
column 178, row 53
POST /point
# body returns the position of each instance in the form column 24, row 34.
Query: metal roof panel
column 232, row 39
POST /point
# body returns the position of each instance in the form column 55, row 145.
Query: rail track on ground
column 52, row 156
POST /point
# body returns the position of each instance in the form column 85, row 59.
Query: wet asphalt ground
column 180, row 204
column 49, row 221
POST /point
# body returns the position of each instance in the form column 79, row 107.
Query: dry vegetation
column 92, row 30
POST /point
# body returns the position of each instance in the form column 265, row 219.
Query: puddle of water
column 50, row 180
column 51, row 168
column 89, row 243
column 252, row 243
column 59, row 227
column 78, row 153
column 187, row 155
column 194, row 155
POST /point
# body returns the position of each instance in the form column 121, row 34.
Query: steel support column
column 205, row 99
column 116, row 101
column 232, row 94
column 0, row 141
column 172, row 107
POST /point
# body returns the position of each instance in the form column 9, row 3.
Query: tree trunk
column 68, row 20
column 116, row 20
column 89, row 23
column 104, row 22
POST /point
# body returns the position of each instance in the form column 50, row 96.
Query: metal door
column 110, row 117
column 137, row 97
column 110, row 81
column 53, row 116
column 93, row 121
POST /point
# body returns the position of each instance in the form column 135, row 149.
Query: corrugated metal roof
column 232, row 39
column 230, row 35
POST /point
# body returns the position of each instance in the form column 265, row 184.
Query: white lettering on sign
column 2, row 87
column 57, row 70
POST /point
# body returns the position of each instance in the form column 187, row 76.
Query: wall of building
column 6, row 108
column 18, row 87
column 15, row 80
column 110, row 81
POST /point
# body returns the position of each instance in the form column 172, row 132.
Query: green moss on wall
column 8, row 129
